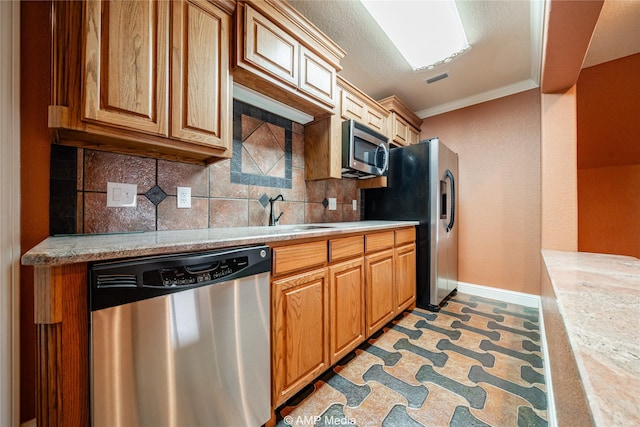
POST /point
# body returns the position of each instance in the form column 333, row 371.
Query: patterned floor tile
column 477, row 362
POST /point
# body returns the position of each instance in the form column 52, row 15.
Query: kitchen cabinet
column 390, row 271
column 404, row 124
column 323, row 137
column 300, row 331
column 281, row 54
column 346, row 295
column 379, row 279
column 405, row 277
column 356, row 105
column 149, row 78
column 346, row 307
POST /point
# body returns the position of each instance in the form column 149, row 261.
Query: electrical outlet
column 354, row 204
column 121, row 195
column 332, row 204
column 184, row 197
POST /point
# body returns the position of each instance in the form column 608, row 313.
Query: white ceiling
column 505, row 36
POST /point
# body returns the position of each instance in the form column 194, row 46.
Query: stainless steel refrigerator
column 421, row 186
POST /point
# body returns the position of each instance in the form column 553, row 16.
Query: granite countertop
column 59, row 250
column 598, row 298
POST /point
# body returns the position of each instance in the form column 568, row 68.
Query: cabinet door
column 126, row 64
column 379, row 289
column 270, row 48
column 346, row 307
column 413, row 136
column 352, row 107
column 300, row 331
column 400, row 130
column 200, row 95
column 377, row 120
column 317, row 77
column 405, row 277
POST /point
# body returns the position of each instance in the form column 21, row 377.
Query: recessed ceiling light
column 427, row 33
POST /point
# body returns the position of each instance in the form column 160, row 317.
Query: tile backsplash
column 268, row 160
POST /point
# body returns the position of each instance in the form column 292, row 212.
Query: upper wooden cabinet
column 404, row 124
column 281, row 54
column 148, row 77
column 356, row 105
column 323, row 137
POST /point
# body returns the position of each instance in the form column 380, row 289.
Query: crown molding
column 490, row 95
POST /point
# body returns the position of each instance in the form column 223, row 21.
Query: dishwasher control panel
column 195, row 274
column 119, row 282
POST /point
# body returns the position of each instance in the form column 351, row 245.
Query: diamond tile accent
column 325, row 202
column 264, row 200
column 155, row 195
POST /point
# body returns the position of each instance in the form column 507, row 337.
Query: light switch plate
column 354, row 204
column 121, row 195
column 332, row 204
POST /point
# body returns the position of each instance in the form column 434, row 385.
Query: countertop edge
column 568, row 273
column 71, row 249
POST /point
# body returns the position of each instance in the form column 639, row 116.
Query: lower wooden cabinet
column 328, row 296
column 380, row 271
column 300, row 331
column 405, row 277
column 346, row 307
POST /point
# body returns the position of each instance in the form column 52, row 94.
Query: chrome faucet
column 272, row 218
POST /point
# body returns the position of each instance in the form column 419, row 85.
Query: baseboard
column 528, row 300
column 30, row 423
column 551, row 406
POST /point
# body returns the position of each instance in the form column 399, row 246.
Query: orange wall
column 498, row 144
column 608, row 114
column 34, row 175
column 559, row 195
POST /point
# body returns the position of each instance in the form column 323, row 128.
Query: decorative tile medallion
column 262, row 147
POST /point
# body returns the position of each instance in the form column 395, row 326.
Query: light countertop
column 598, row 297
column 70, row 249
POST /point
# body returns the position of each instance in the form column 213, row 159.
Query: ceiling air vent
column 436, row 78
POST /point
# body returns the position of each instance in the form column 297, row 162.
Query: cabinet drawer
column 298, row 257
column 379, row 241
column 346, row 247
column 406, row 235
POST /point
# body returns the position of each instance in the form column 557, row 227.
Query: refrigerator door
column 444, row 230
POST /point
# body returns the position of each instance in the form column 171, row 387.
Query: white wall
column 9, row 210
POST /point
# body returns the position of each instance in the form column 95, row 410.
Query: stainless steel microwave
column 365, row 152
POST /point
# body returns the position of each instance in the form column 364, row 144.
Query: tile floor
column 477, row 362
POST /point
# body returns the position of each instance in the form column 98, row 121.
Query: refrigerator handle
column 452, row 203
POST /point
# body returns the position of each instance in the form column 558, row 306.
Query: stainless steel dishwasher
column 181, row 340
